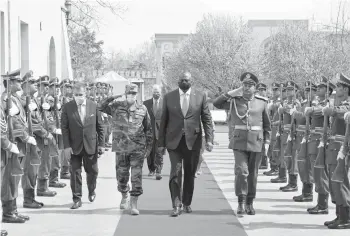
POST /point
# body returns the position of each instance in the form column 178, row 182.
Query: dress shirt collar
column 187, row 93
column 83, row 104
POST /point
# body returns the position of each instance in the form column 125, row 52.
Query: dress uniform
column 132, row 142
column 288, row 140
column 46, row 151
column 250, row 124
column 305, row 165
column 339, row 190
column 10, row 183
column 261, row 88
column 314, row 148
column 274, row 117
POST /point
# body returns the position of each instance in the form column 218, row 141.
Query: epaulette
column 262, row 98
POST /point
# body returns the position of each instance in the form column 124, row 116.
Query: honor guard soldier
column 55, row 123
column 18, row 133
column 335, row 141
column 66, row 90
column 274, row 118
column 132, row 142
column 92, row 95
column 251, row 131
column 305, row 166
column 315, row 149
column 98, row 92
column 287, row 154
column 261, row 91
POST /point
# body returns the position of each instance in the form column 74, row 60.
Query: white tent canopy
column 118, row 82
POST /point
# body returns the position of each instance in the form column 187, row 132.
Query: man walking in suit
column 82, row 132
column 180, row 132
column 154, row 107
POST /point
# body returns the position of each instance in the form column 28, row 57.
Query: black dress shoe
column 158, row 177
column 176, row 212
column 46, row 193
column 271, row 172
column 92, row 197
column 26, row 218
column 240, row 209
column 187, row 209
column 57, row 185
column 32, row 205
column 327, row 223
column 303, row 198
column 279, row 180
column 12, row 218
column 249, row 209
column 76, row 205
column 290, row 188
column 3, row 233
column 318, row 210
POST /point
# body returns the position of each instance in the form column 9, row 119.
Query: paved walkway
column 212, row 214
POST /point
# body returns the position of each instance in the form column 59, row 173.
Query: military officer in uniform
column 335, row 141
column 132, row 142
column 274, row 118
column 251, row 131
column 320, row 176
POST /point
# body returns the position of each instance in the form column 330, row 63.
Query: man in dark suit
column 82, row 132
column 154, row 107
column 180, row 132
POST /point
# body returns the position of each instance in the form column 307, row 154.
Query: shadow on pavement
column 99, row 211
column 195, row 212
column 272, row 225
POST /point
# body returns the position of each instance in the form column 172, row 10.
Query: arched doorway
column 52, row 58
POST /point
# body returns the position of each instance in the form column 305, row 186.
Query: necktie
column 155, row 107
column 81, row 113
column 184, row 105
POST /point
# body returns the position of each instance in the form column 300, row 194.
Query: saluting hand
column 209, row 146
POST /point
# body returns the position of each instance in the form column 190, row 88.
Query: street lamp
column 67, row 9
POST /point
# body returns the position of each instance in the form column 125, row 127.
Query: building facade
column 33, row 36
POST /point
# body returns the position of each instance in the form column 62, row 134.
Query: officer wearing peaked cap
column 261, row 89
column 251, row 131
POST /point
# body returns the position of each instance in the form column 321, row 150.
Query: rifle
column 278, row 143
column 31, row 150
column 59, row 140
column 292, row 135
column 16, row 169
column 43, row 112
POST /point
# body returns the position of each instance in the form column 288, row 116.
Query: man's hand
column 58, row 131
column 101, row 150
column 32, row 106
column 13, row 111
column 161, row 150
column 14, row 148
column 45, row 106
column 209, row 146
column 340, row 155
column 31, row 140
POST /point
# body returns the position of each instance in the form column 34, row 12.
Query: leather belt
column 248, row 127
column 317, row 130
column 337, row 138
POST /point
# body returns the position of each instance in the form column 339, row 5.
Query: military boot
column 344, row 220
column 241, row 201
column 249, row 209
column 65, row 172
column 124, row 204
column 293, row 184
column 306, row 194
column 43, row 190
column 14, row 210
column 29, row 200
column 321, row 207
column 3, row 232
column 54, row 183
column 272, row 172
column 8, row 216
column 282, row 172
column 133, row 206
column 337, row 212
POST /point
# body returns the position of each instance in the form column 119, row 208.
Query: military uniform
column 261, row 87
column 10, row 180
column 132, row 141
column 250, row 123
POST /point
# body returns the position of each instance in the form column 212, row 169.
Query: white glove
column 49, row 136
column 321, row 145
column 292, row 111
column 278, row 134
column 340, row 154
column 58, row 131
column 304, row 140
column 289, row 138
column 14, row 148
column 32, row 106
column 46, row 106
column 32, row 141
column 14, row 110
column 59, row 106
column 104, row 115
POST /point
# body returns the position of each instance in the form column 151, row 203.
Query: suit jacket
column 155, row 118
column 77, row 135
column 173, row 123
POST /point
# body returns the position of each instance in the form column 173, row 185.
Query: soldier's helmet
column 131, row 89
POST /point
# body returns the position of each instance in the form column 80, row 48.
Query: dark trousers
column 246, row 172
column 155, row 159
column 189, row 159
column 91, row 169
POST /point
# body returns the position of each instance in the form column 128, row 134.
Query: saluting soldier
column 335, row 141
column 132, row 142
column 261, row 91
column 305, row 167
column 55, row 123
column 274, row 118
column 250, row 123
column 288, row 150
column 314, row 146
column 9, row 190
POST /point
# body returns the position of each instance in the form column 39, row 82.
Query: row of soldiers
column 310, row 138
column 31, row 139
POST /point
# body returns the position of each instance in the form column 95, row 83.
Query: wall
column 35, row 27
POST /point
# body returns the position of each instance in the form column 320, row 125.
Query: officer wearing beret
column 10, row 182
column 316, row 145
column 132, row 142
column 274, row 117
column 251, row 131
